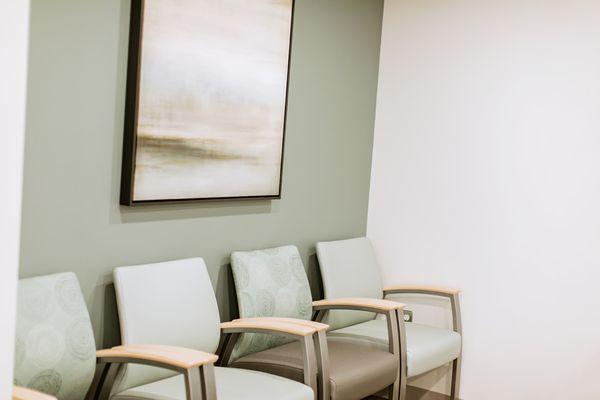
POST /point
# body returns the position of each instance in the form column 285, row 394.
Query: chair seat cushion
column 232, row 384
column 427, row 347
column 356, row 370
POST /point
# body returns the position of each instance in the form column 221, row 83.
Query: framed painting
column 206, row 101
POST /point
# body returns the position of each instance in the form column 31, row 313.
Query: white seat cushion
column 232, row 384
column 427, row 347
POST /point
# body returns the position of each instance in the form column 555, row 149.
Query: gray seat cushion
column 427, row 347
column 356, row 370
column 232, row 384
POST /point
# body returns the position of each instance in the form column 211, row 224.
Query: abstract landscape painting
column 206, row 100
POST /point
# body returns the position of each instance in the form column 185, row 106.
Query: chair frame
column 453, row 296
column 196, row 366
column 394, row 314
column 315, row 362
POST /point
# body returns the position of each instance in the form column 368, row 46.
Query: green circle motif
column 265, row 304
column 279, row 272
column 304, row 303
column 48, row 381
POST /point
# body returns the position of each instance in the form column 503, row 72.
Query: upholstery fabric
column 356, row 369
column 171, row 303
column 349, row 269
column 55, row 350
column 232, row 384
column 427, row 347
column 269, row 283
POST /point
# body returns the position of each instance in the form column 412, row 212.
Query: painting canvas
column 206, row 99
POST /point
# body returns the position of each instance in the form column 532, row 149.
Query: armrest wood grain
column 317, row 326
column 266, row 325
column 20, row 393
column 358, row 303
column 420, row 289
column 170, row 356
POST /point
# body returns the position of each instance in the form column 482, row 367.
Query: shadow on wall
column 111, row 329
column 314, row 277
column 163, row 212
column 228, row 307
column 225, row 288
column 169, row 212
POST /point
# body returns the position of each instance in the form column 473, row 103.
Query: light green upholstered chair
column 173, row 303
column 56, row 353
column 54, row 348
column 273, row 283
column 349, row 268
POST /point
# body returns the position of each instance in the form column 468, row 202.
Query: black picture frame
column 134, row 66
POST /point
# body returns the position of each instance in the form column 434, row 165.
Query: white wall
column 486, row 176
column 14, row 27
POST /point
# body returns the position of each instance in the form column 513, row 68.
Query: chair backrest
column 55, row 350
column 168, row 303
column 269, row 283
column 349, row 269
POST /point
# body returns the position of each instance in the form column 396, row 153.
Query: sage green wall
column 71, row 217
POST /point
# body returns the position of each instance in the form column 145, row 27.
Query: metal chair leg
column 207, row 379
column 322, row 352
column 403, row 369
column 454, row 391
column 193, row 385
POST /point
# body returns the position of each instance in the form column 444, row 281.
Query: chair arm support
column 393, row 311
column 451, row 294
column 304, row 332
column 20, row 393
column 358, row 303
column 170, row 357
column 196, row 366
column 420, row 289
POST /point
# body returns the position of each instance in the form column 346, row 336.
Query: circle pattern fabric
column 55, row 349
column 269, row 283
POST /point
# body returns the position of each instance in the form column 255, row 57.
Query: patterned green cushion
column 55, row 349
column 269, row 283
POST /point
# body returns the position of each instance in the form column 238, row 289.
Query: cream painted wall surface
column 72, row 221
column 486, row 177
column 14, row 33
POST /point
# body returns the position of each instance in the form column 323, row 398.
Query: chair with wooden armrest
column 56, row 354
column 349, row 268
column 173, row 303
column 272, row 283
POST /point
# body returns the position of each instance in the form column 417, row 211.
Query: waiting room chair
column 349, row 268
column 174, row 303
column 55, row 354
column 273, row 283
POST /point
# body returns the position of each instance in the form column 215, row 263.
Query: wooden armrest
column 303, row 332
column 358, row 303
column 420, row 289
column 169, row 356
column 20, row 393
column 317, row 326
column 267, row 325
